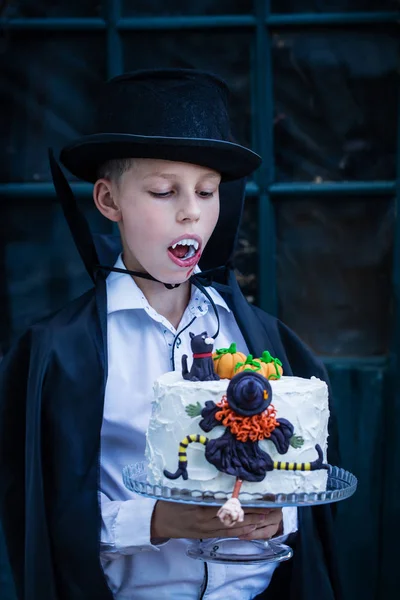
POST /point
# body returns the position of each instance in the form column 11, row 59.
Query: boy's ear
column 104, row 200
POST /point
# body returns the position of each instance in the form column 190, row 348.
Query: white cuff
column 126, row 527
column 289, row 522
column 132, row 528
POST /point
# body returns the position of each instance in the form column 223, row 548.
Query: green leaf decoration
column 222, row 351
column 267, row 358
column 249, row 361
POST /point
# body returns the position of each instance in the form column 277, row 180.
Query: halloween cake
column 254, row 429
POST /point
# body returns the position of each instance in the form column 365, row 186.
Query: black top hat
column 171, row 114
column 249, row 393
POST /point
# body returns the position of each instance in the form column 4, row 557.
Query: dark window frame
column 264, row 189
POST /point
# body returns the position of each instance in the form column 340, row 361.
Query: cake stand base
column 341, row 485
column 239, row 552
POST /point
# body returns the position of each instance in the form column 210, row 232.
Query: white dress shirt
column 139, row 350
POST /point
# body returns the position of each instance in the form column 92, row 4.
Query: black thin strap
column 205, row 278
column 175, row 340
column 207, row 295
column 200, row 280
column 169, row 286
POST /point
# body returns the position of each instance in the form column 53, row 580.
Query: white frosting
column 303, row 402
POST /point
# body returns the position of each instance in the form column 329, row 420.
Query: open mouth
column 185, row 248
column 185, row 251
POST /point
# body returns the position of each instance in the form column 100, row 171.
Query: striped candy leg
column 182, row 464
column 315, row 465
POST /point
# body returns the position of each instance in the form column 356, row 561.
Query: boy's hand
column 194, row 410
column 173, row 520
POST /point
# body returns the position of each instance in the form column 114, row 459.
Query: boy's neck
column 171, row 304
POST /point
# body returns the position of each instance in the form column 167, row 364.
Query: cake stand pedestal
column 239, row 552
column 341, row 485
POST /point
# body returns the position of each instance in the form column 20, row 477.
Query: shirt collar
column 124, row 294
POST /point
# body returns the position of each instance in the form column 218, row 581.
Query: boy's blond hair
column 115, row 168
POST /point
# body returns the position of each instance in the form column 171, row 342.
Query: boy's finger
column 261, row 533
column 237, row 532
column 261, row 511
column 249, row 521
column 249, row 512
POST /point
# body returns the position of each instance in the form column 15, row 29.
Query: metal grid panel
column 261, row 23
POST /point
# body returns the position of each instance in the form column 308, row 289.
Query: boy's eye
column 202, row 194
column 160, row 194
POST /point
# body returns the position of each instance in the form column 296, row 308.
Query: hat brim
column 84, row 157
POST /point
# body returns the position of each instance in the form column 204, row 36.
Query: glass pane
column 48, row 99
column 335, row 102
column 225, row 54
column 157, row 8
column 246, row 255
column 39, row 265
column 326, row 6
column 54, row 9
column 334, row 261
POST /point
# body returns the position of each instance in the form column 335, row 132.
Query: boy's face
column 167, row 213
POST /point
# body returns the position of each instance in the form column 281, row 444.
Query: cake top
column 285, row 384
column 225, row 363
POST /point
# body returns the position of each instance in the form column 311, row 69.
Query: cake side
column 304, row 402
column 170, row 424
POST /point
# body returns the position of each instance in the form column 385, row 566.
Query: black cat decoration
column 203, row 365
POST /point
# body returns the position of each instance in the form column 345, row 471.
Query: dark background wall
column 315, row 91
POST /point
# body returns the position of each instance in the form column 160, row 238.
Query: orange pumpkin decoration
column 225, row 360
column 271, row 367
column 248, row 365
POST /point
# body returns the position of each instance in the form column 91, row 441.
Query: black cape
column 52, row 385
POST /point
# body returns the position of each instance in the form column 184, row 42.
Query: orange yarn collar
column 254, row 428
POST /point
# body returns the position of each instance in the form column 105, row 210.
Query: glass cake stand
column 341, row 485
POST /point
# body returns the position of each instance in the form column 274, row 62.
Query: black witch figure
column 249, row 417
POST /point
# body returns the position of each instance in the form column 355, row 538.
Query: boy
column 76, row 389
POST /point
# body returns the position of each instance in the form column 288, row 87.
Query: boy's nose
column 189, row 209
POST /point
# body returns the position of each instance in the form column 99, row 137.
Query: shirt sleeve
column 126, row 526
column 289, row 523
